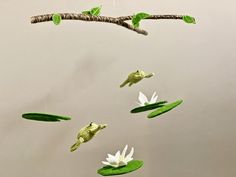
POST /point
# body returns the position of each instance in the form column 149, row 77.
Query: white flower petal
column 153, row 95
column 123, row 163
column 117, row 156
column 129, row 156
column 140, row 104
column 127, row 160
column 110, row 156
column 106, row 163
column 119, row 159
column 154, row 98
column 115, row 165
column 123, row 152
column 142, row 98
column 111, row 160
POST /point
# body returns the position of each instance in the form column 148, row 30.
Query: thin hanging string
column 114, row 3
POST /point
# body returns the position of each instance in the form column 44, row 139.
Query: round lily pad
column 111, row 171
column 148, row 107
column 164, row 109
column 45, row 117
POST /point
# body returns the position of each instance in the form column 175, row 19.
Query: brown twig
column 118, row 20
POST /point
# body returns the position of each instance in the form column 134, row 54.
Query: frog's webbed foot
column 124, row 83
column 149, row 75
column 77, row 144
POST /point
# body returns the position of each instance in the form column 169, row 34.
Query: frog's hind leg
column 130, row 84
column 77, row 144
column 124, row 83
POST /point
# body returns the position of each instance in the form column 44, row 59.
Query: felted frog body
column 135, row 77
column 86, row 134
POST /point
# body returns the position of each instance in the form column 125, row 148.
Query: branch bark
column 118, row 20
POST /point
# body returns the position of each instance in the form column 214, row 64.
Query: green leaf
column 148, row 107
column 87, row 12
column 96, row 11
column 110, row 171
column 138, row 17
column 56, row 18
column 164, row 109
column 44, row 117
column 189, row 19
column 142, row 15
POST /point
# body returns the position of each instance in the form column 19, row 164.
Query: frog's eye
column 137, row 71
column 91, row 124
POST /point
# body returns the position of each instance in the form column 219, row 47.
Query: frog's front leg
column 92, row 133
column 95, row 131
column 102, row 126
column 149, row 75
column 77, row 144
column 125, row 82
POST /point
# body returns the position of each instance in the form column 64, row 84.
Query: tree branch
column 118, row 20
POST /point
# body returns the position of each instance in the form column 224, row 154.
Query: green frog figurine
column 87, row 133
column 136, row 77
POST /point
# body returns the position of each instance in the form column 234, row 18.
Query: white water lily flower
column 118, row 159
column 143, row 101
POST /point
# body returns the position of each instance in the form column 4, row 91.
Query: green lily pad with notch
column 164, row 109
column 148, row 107
column 44, row 117
column 111, row 171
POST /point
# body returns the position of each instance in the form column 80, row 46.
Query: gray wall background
column 76, row 68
